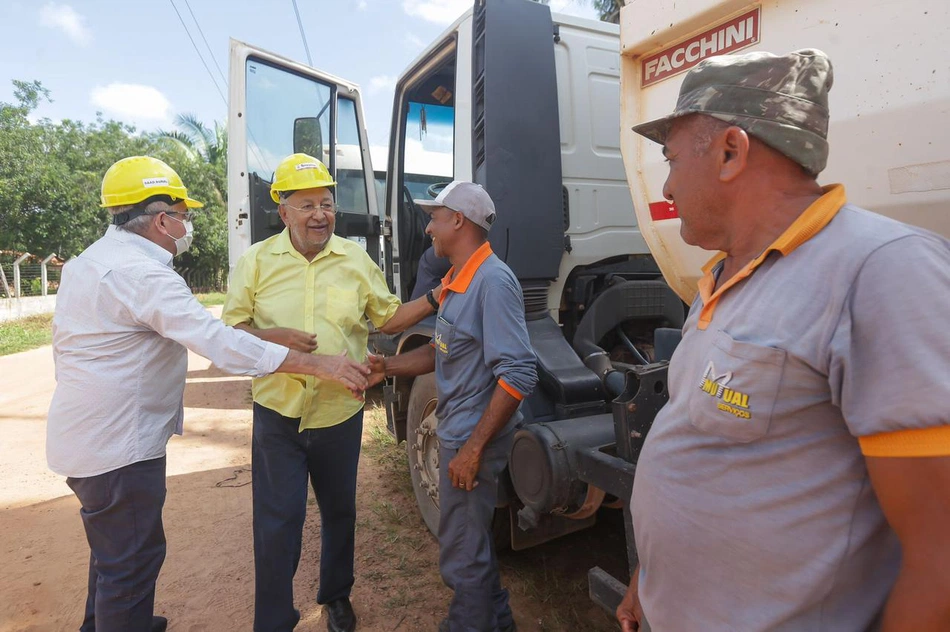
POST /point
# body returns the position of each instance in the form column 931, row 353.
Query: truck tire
column 422, row 448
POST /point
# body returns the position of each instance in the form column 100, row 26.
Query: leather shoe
column 340, row 616
column 159, row 624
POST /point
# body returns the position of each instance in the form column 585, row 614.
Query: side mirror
column 308, row 137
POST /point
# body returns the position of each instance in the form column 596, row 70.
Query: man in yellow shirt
column 307, row 287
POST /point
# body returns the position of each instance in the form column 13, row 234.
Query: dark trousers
column 466, row 546
column 122, row 515
column 282, row 461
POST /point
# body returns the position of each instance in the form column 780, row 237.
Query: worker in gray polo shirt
column 484, row 366
column 798, row 478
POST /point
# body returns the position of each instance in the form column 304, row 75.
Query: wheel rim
column 425, row 453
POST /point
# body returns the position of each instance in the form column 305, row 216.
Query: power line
column 203, row 63
column 208, row 46
column 251, row 146
column 302, row 34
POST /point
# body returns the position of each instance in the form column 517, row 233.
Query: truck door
column 278, row 107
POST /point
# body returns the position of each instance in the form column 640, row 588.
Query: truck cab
column 527, row 104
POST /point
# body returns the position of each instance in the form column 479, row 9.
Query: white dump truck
column 538, row 108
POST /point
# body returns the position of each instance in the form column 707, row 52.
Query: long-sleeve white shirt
column 123, row 321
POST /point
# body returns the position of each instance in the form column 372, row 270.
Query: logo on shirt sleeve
column 730, row 401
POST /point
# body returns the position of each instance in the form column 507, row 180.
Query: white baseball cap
column 467, row 198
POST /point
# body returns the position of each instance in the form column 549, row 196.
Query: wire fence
column 205, row 281
column 34, row 279
column 28, row 279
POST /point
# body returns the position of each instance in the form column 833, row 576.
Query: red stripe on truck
column 663, row 210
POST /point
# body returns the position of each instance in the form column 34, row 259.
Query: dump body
column 889, row 137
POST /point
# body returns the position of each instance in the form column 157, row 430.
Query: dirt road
column 206, row 583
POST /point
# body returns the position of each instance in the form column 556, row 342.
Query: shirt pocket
column 735, row 389
column 343, row 307
column 444, row 337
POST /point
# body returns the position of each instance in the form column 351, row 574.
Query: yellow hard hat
column 297, row 172
column 137, row 178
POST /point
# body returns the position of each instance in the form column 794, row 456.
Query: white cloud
column 414, row 42
column 381, row 82
column 143, row 106
column 361, row 5
column 438, row 11
column 65, row 18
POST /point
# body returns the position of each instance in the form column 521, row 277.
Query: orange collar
column 460, row 283
column 806, row 226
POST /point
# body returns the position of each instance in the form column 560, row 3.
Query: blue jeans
column 466, row 545
column 282, row 461
column 122, row 516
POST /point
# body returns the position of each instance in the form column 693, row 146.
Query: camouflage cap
column 781, row 100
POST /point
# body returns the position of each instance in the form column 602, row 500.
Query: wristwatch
column 431, row 298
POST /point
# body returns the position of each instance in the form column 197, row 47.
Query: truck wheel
column 422, row 447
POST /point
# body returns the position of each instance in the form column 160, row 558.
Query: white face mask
column 183, row 243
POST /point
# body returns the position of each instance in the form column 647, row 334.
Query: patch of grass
column 208, row 300
column 381, row 446
column 387, row 513
column 25, row 334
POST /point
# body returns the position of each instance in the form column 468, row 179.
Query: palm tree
column 201, row 144
column 196, row 140
column 608, row 10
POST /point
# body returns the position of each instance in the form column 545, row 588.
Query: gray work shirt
column 752, row 505
column 480, row 340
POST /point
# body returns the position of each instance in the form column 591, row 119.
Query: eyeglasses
column 186, row 215
column 310, row 209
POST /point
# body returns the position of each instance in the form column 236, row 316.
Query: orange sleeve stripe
column 917, row 442
column 510, row 390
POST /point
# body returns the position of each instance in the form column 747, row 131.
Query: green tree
column 199, row 154
column 608, row 10
column 50, row 175
column 199, row 142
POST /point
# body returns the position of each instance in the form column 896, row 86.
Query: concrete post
column 16, row 274
column 43, row 274
column 3, row 280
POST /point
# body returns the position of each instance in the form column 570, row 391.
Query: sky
column 134, row 62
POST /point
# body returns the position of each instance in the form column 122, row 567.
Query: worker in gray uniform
column 799, row 477
column 484, row 368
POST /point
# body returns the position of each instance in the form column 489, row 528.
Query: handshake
column 355, row 376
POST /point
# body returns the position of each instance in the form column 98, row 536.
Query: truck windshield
column 275, row 99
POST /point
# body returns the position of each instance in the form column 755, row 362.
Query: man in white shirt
column 124, row 321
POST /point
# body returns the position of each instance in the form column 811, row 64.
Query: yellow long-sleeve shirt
column 273, row 285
